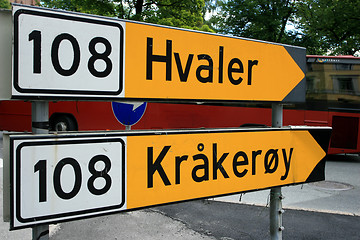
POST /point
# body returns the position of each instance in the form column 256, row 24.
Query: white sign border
column 17, row 222
column 20, row 93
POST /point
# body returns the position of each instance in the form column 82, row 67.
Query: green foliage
column 185, row 13
column 97, row 7
column 176, row 13
column 5, row 4
column 333, row 24
column 259, row 19
column 322, row 26
column 206, row 28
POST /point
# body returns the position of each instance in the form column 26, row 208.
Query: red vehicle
column 332, row 100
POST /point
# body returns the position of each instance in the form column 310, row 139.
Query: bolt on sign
column 59, row 54
column 61, row 177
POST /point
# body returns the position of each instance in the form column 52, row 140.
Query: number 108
column 36, row 37
column 41, row 168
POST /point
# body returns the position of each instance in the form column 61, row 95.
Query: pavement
column 325, row 210
column 339, row 193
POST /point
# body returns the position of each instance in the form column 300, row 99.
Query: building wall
column 27, row 2
column 333, row 82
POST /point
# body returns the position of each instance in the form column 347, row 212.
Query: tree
column 259, row 19
column 97, row 7
column 322, row 26
column 334, row 24
column 177, row 13
column 5, row 4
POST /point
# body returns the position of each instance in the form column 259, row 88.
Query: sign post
column 40, row 125
column 276, row 197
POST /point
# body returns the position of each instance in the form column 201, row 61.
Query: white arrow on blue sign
column 128, row 114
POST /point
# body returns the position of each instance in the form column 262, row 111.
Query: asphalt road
column 339, row 193
column 327, row 210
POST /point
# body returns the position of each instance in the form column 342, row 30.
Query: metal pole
column 40, row 125
column 277, row 115
column 276, row 210
column 40, row 117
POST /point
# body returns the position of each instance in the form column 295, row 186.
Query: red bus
column 333, row 91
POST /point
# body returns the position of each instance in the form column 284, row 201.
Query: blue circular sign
column 128, row 114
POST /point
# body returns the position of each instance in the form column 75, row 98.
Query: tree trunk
column 138, row 9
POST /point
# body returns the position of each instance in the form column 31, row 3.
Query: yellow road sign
column 106, row 58
column 58, row 177
column 169, row 168
column 168, row 63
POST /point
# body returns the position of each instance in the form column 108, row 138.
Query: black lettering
column 204, row 167
column 55, row 54
column 221, row 63
column 57, row 178
column 150, row 58
column 237, row 163
column 251, row 64
column 40, row 167
column 36, row 37
column 209, row 68
column 254, row 155
column 97, row 173
column 274, row 158
column 232, row 70
column 286, row 162
column 156, row 166
column 178, row 161
column 217, row 165
column 183, row 74
column 100, row 56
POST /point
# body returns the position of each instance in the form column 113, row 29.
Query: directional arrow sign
column 67, row 55
column 128, row 114
column 179, row 167
column 60, row 177
column 176, row 64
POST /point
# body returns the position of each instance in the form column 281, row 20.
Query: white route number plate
column 66, row 55
column 58, row 179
